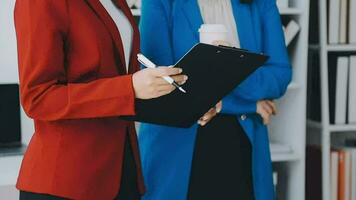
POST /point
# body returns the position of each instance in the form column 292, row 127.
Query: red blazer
column 74, row 85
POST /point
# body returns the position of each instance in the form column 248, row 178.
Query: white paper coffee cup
column 212, row 33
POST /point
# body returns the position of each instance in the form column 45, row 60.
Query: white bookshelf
column 289, row 126
column 341, row 48
column 291, row 11
column 288, row 129
column 324, row 131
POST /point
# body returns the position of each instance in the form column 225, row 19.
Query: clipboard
column 213, row 71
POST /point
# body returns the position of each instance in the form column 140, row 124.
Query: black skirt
column 222, row 162
column 128, row 188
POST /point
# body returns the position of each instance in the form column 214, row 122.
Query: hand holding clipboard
column 213, row 71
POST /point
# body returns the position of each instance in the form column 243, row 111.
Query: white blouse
column 124, row 26
column 220, row 12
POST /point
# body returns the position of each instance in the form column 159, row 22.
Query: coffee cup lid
column 213, row 28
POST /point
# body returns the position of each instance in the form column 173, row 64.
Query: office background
column 10, row 160
column 302, row 127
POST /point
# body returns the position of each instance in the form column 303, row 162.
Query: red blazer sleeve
column 41, row 28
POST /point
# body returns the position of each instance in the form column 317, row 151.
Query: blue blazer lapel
column 192, row 12
column 243, row 18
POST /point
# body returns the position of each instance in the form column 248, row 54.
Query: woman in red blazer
column 74, row 85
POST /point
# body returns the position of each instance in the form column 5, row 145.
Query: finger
column 212, row 111
column 265, row 117
column 159, row 81
column 208, row 119
column 166, row 71
column 218, row 107
column 209, row 115
column 273, row 105
column 200, row 122
column 267, row 108
column 180, row 78
column 204, row 122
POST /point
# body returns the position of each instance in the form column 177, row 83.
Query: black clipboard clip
column 239, row 49
column 233, row 48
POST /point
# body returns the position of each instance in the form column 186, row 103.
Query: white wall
column 9, row 168
column 8, row 58
column 8, row 62
column 9, row 193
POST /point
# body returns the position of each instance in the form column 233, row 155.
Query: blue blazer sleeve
column 271, row 80
column 156, row 41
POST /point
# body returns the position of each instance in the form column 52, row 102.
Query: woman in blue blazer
column 169, row 28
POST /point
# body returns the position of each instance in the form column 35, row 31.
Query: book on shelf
column 291, row 31
column 350, row 146
column 333, row 23
column 353, row 174
column 344, row 187
column 334, row 174
column 314, row 20
column 341, row 89
column 313, row 172
column 343, row 21
column 338, row 75
column 346, row 172
column 352, row 91
column 342, row 172
column 352, row 21
column 313, row 91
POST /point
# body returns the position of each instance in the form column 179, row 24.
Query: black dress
column 222, row 162
column 128, row 189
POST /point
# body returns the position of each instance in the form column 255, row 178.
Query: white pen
column 149, row 64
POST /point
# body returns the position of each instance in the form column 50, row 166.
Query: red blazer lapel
column 114, row 32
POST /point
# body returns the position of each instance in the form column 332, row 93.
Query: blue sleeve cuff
column 236, row 106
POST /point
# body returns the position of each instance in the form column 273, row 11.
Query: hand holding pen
column 149, row 64
column 148, row 83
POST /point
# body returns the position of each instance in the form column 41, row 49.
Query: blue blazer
column 169, row 28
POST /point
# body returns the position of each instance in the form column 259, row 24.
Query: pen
column 149, row 64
